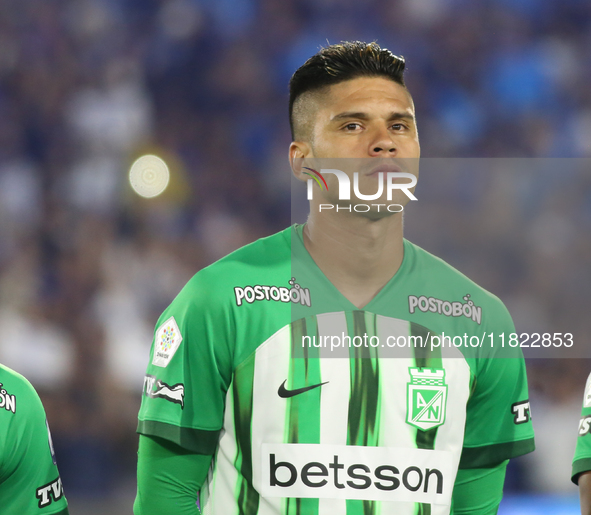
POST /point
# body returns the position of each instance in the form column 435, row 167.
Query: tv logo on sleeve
column 358, row 472
column 521, row 410
column 49, row 493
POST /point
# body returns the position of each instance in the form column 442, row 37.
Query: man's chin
column 376, row 215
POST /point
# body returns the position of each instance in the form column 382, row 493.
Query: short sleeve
column 29, row 477
column 582, row 457
column 189, row 370
column 498, row 415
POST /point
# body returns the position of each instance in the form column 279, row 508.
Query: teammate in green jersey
column 581, row 474
column 29, row 479
column 244, row 402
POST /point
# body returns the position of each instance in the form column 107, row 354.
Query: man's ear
column 298, row 152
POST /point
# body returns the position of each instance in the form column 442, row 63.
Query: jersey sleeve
column 168, row 475
column 479, row 491
column 498, row 417
column 189, row 370
column 582, row 457
column 29, row 479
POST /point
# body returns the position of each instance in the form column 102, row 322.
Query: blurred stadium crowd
column 86, row 266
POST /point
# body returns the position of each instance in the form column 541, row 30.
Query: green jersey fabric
column 582, row 458
column 240, row 366
column 29, row 480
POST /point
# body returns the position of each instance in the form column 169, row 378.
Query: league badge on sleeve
column 167, row 341
column 426, row 398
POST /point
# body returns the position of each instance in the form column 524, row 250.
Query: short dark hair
column 340, row 62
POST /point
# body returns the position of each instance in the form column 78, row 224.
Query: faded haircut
column 338, row 63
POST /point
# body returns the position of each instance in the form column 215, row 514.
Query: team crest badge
column 426, row 398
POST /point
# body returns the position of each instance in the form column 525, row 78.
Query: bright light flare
column 149, row 176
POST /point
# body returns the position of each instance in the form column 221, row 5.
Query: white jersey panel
column 218, row 492
column 334, row 400
column 268, row 413
column 394, row 431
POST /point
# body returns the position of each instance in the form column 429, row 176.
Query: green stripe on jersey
column 364, row 403
column 247, row 497
column 425, row 357
column 304, row 371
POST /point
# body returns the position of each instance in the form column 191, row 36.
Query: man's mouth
column 384, row 168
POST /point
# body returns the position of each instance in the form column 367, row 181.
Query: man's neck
column 358, row 256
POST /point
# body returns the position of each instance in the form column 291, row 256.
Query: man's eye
column 398, row 126
column 352, row 126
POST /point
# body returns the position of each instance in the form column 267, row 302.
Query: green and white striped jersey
column 245, row 364
column 582, row 458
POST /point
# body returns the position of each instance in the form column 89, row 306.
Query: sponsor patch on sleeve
column 587, row 400
column 584, row 426
column 521, row 412
column 154, row 388
column 49, row 493
column 167, row 341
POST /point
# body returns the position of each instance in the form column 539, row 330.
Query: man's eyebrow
column 401, row 116
column 347, row 115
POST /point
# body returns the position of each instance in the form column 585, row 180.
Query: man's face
column 362, row 118
column 365, row 117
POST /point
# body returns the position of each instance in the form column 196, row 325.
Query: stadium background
column 86, row 266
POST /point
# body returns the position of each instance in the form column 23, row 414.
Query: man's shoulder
column 10, row 377
column 263, row 259
column 17, row 394
column 445, row 281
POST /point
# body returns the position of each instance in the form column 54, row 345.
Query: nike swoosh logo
column 285, row 393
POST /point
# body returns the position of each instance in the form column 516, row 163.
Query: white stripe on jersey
column 334, row 397
column 225, row 474
column 268, row 411
column 394, row 431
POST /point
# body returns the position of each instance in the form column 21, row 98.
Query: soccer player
column 244, row 402
column 581, row 474
column 29, row 480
